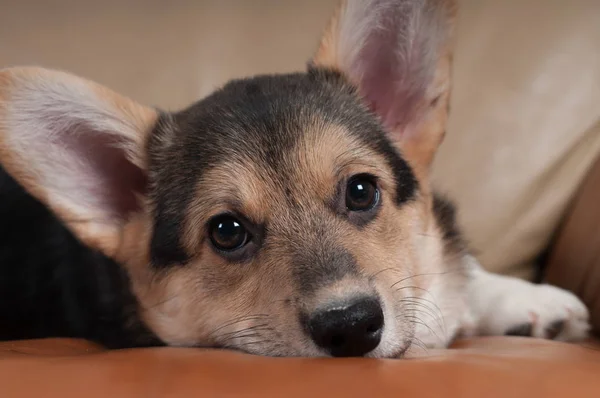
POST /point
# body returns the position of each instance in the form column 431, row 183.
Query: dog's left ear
column 77, row 147
column 398, row 54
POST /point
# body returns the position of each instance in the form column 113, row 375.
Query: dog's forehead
column 268, row 119
column 266, row 116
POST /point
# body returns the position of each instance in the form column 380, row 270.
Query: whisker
column 374, row 275
column 238, row 320
column 420, row 289
column 243, row 336
column 419, row 343
column 256, row 327
column 411, row 304
column 416, row 320
column 418, row 275
column 436, row 319
column 423, row 299
column 253, row 342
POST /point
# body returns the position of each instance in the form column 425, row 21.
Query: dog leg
column 502, row 305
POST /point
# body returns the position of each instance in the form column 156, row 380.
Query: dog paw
column 543, row 311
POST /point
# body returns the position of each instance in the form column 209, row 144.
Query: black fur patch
column 53, row 286
column 445, row 214
column 525, row 329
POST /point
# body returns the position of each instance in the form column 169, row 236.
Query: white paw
column 514, row 307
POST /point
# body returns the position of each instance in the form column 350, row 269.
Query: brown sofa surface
column 574, row 262
column 485, row 367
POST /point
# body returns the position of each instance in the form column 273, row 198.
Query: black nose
column 351, row 330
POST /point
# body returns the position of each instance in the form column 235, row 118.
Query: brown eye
column 361, row 193
column 227, row 233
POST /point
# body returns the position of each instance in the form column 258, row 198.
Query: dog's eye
column 361, row 193
column 227, row 233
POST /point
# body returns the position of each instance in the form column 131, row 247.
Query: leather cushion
column 484, row 367
column 574, row 262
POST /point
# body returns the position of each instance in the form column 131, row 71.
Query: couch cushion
column 525, row 123
column 490, row 367
column 574, row 262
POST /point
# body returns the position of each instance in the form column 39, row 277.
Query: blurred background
column 525, row 121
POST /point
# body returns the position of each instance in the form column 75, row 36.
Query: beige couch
column 525, row 122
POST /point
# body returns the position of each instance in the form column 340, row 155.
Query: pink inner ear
column 396, row 60
column 101, row 176
column 392, row 91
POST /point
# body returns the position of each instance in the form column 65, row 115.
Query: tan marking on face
column 401, row 243
column 236, row 186
column 328, row 153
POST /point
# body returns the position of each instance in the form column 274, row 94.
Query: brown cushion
column 574, row 262
column 504, row 367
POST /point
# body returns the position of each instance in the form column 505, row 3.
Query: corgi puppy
column 283, row 215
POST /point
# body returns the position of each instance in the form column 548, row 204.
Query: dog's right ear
column 77, row 147
column 398, row 55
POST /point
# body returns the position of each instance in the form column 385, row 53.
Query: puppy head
column 277, row 216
